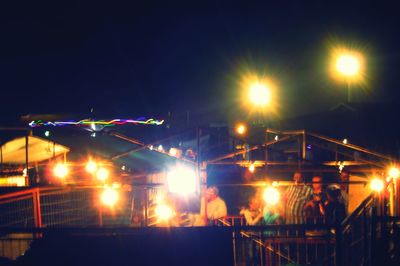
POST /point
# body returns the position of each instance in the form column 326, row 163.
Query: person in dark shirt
column 335, row 209
column 315, row 208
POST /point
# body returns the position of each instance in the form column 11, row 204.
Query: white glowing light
column 241, row 129
column 252, row 168
column 60, row 170
column 93, row 126
column 102, row 174
column 271, row 195
column 348, row 65
column 260, row 94
column 394, row 172
column 182, row 180
column 109, row 197
column 164, row 212
column 91, row 166
column 173, row 152
column 377, row 184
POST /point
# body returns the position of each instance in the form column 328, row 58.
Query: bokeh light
column 60, row 170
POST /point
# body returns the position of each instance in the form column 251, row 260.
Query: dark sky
column 149, row 58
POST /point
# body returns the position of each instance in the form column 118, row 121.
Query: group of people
column 300, row 203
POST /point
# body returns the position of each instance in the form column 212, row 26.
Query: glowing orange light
column 252, row 168
column 109, row 197
column 377, row 184
column 164, row 212
column 271, row 195
column 60, row 170
column 394, row 172
column 91, row 166
column 347, row 64
column 102, row 174
column 260, row 94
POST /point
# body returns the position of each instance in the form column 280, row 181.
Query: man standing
column 315, row 206
column 216, row 208
column 296, row 197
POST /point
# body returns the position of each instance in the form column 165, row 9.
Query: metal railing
column 299, row 244
column 66, row 207
column 364, row 236
column 369, row 236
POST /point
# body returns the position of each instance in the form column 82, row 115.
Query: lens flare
column 271, row 195
column 109, row 197
column 60, row 170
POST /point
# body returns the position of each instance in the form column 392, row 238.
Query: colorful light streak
column 88, row 122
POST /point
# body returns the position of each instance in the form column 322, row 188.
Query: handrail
column 357, row 211
column 266, row 144
column 352, row 146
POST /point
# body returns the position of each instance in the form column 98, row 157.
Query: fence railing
column 66, row 207
column 364, row 236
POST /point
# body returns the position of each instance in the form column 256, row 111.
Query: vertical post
column 1, row 157
column 234, row 246
column 37, row 213
column 26, row 161
column 348, row 91
column 198, row 134
column 338, row 246
column 365, row 233
column 396, row 198
column 203, row 200
column 304, row 148
column 146, row 211
column 201, row 169
column 373, row 229
column 266, row 148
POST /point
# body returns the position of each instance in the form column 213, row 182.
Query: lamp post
column 348, row 66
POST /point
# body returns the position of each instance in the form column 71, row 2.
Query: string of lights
column 88, row 122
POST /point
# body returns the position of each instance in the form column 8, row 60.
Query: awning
column 14, row 151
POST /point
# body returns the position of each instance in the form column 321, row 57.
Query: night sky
column 150, row 58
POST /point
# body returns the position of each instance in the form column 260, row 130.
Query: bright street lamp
column 260, row 94
column 347, row 65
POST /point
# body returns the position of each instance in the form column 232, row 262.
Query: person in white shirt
column 253, row 214
column 216, row 208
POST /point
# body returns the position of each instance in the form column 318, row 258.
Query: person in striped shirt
column 296, row 197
